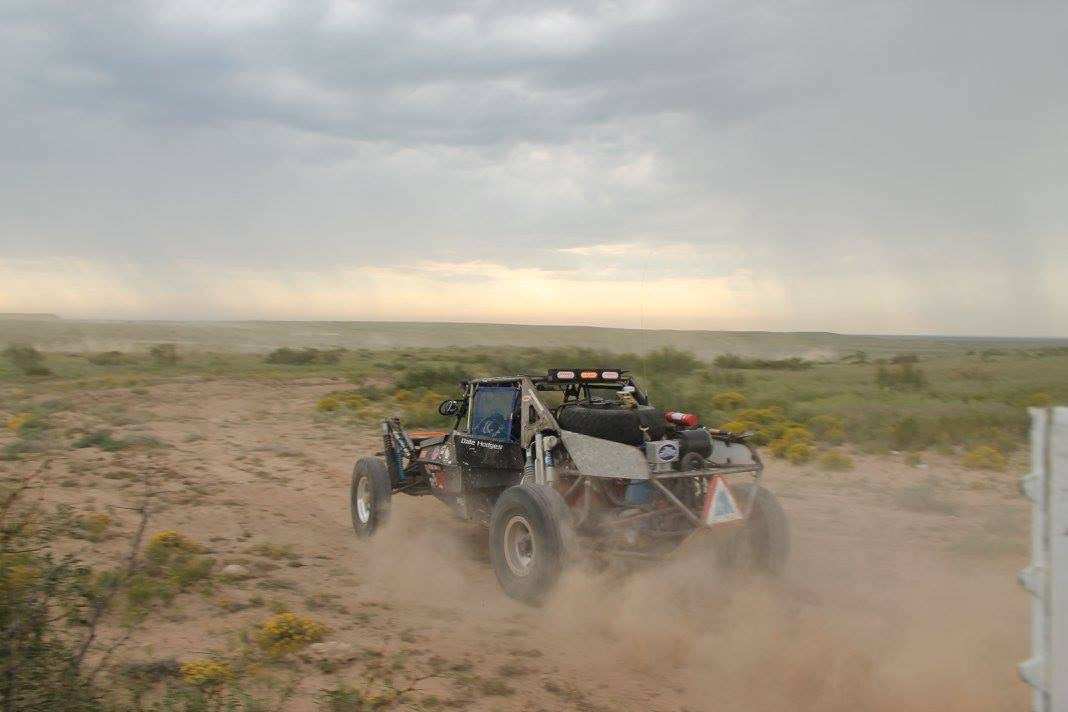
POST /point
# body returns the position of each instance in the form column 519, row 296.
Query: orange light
column 588, row 374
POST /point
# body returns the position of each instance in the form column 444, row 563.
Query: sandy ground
column 882, row 607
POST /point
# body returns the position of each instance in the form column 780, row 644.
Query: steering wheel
column 493, row 426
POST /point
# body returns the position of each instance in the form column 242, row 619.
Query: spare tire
column 618, row 424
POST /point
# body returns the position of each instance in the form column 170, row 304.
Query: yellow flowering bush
column 798, row 453
column 24, row 421
column 205, row 672
column 287, row 632
column 328, row 403
column 341, row 399
column 985, row 457
column 170, row 539
column 789, row 437
column 766, row 423
column 728, row 400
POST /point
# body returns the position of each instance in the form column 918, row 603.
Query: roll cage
column 534, row 415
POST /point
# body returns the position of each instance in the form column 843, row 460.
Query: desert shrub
column 91, row 527
column 107, row 358
column 173, row 563
column 787, row 364
column 728, row 400
column 904, row 358
column 205, row 672
column 341, row 699
column 287, row 633
column 26, row 422
column 856, row 357
column 971, row 373
column 1038, row 400
column 985, row 457
column 670, row 361
column 439, row 378
column 786, row 438
column 338, row 400
column 913, row 459
column 904, row 377
column 783, row 445
column 798, row 453
column 423, row 411
column 45, row 607
column 105, row 441
column 303, row 357
column 328, row 403
column 164, row 354
column 722, row 377
column 827, row 428
column 835, row 460
column 766, row 423
column 905, row 434
column 27, row 360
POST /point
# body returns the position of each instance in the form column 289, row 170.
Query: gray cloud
column 813, row 144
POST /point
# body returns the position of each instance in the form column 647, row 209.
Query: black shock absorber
column 394, row 461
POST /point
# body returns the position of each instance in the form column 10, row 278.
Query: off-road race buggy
column 577, row 458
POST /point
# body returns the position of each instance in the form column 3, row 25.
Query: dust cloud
column 851, row 625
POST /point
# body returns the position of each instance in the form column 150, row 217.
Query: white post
column 1047, row 577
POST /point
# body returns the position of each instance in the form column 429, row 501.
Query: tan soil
column 882, row 608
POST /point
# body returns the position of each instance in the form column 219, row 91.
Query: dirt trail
column 876, row 611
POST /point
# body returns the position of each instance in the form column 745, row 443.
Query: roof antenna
column 645, row 340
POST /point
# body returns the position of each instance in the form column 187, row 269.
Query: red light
column 565, row 375
column 610, row 375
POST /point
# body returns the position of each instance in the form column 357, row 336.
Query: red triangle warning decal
column 720, row 505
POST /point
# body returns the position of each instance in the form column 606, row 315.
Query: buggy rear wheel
column 369, row 496
column 529, row 540
column 763, row 543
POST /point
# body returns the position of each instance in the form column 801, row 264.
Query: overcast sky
column 872, row 167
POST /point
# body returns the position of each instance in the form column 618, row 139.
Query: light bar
column 586, row 374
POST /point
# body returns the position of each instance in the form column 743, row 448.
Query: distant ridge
column 51, row 334
column 28, row 316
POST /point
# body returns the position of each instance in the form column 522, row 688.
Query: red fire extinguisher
column 687, row 419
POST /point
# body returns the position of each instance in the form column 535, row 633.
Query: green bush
column 303, row 357
column 164, row 354
column 904, row 377
column 107, row 358
column 45, row 609
column 102, row 439
column 27, row 360
column 440, row 378
column 668, row 361
column 827, row 428
column 786, row 364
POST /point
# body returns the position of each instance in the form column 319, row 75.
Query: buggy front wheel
column 529, row 540
column 369, row 496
